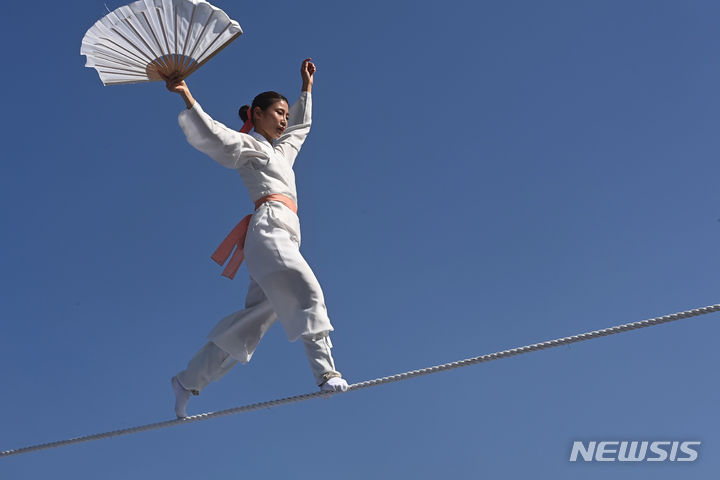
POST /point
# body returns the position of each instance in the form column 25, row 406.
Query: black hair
column 264, row 100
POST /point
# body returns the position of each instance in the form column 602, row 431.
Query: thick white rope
column 378, row 381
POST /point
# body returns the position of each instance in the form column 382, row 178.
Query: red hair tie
column 248, row 125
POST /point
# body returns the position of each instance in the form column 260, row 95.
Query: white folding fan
column 147, row 38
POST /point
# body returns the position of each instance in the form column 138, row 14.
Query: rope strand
column 378, row 381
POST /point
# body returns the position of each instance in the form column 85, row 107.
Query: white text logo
column 638, row 451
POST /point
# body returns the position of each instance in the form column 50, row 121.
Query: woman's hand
column 177, row 85
column 307, row 70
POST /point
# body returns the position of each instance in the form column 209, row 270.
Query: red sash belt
column 236, row 237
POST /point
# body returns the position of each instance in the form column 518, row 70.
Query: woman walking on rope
column 282, row 285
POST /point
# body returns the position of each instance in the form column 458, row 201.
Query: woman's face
column 272, row 122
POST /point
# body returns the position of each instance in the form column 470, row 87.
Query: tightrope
column 378, row 381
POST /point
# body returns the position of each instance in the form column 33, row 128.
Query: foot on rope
column 335, row 384
column 182, row 397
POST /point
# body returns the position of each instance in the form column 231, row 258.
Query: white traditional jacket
column 264, row 167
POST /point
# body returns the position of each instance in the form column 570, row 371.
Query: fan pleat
column 199, row 37
column 125, row 29
column 153, row 54
column 117, row 70
column 189, row 28
column 154, row 36
column 114, row 60
column 177, row 21
column 128, row 54
column 164, row 33
column 217, row 37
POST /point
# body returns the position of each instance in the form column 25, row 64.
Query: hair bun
column 243, row 112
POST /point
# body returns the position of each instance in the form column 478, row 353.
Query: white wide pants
column 282, row 287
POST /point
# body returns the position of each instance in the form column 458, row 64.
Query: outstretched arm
column 300, row 116
column 307, row 72
column 221, row 143
column 300, row 111
column 181, row 88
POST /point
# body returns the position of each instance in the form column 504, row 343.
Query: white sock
column 335, row 384
column 182, row 397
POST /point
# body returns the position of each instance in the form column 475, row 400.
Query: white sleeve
column 298, row 128
column 221, row 143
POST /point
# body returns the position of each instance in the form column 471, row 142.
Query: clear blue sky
column 480, row 175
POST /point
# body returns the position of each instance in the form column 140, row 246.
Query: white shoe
column 182, row 397
column 335, row 384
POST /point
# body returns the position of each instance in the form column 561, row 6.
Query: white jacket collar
column 260, row 137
